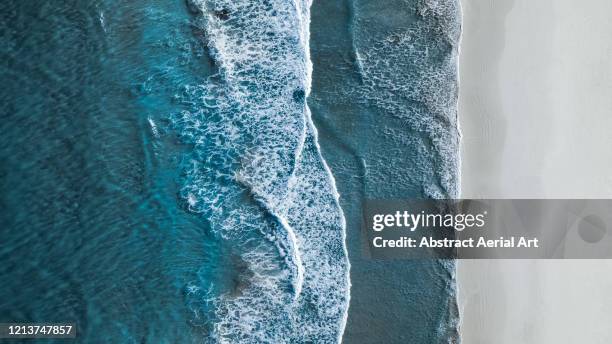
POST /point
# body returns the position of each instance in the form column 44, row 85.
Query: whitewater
column 164, row 180
column 254, row 172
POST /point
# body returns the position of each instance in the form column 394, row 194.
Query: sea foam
column 255, row 173
column 410, row 73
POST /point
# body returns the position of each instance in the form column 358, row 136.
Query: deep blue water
column 162, row 180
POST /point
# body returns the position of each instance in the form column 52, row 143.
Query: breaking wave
column 255, row 174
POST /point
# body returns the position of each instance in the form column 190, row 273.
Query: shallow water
column 162, row 179
column 384, row 100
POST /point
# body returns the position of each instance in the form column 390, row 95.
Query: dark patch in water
column 223, row 14
column 299, row 95
column 242, row 274
column 193, row 8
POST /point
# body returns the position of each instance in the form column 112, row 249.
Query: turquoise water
column 162, row 179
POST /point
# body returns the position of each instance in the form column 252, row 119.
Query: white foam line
column 459, row 160
column 305, row 25
column 342, row 224
column 460, row 308
column 297, row 259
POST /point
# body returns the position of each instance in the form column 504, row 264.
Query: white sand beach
column 536, row 116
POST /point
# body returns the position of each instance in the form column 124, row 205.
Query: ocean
column 384, row 102
column 193, row 171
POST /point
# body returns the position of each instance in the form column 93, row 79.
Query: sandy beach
column 535, row 112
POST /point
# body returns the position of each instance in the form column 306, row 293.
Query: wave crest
column 255, row 172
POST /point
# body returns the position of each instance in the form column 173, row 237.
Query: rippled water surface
column 163, row 176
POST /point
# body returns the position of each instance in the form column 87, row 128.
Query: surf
column 254, row 172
